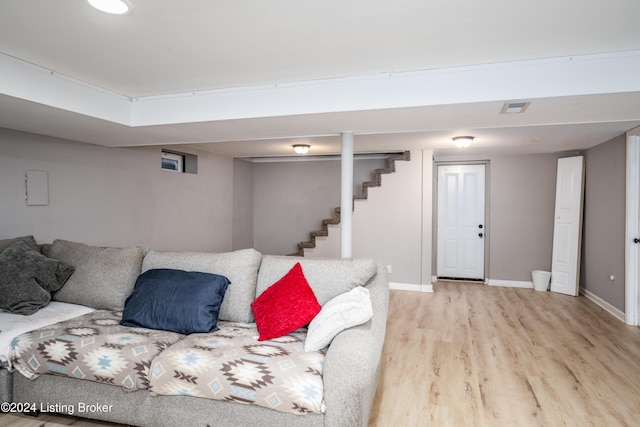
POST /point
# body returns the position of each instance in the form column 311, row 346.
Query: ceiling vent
column 514, row 107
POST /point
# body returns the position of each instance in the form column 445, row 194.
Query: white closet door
column 567, row 226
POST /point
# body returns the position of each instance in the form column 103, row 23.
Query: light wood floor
column 50, row 420
column 477, row 355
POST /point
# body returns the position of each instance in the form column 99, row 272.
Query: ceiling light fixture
column 301, row 148
column 115, row 7
column 462, row 141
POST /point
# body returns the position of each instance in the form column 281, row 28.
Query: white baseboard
column 410, row 287
column 510, row 283
column 506, row 283
column 615, row 312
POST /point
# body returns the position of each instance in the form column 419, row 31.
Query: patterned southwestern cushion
column 93, row 347
column 232, row 365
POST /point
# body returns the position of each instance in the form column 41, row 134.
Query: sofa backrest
column 104, row 276
column 327, row 277
column 240, row 267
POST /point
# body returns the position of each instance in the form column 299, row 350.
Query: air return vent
column 514, row 107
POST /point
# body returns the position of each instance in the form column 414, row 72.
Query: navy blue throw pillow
column 185, row 302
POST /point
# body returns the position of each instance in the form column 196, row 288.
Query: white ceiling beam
column 566, row 76
column 518, row 80
column 22, row 80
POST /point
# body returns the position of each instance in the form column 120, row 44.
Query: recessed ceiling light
column 514, row 107
column 115, row 7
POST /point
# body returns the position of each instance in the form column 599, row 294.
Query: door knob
column 480, row 235
column 636, row 240
column 480, row 226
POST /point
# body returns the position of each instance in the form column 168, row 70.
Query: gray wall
column 120, row 196
column 292, row 198
column 604, row 222
column 521, row 208
column 115, row 196
column 242, row 204
column 390, row 224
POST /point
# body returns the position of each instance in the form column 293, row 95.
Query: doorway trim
column 487, row 219
column 632, row 230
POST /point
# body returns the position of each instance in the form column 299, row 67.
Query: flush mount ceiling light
column 115, row 7
column 462, row 141
column 301, row 148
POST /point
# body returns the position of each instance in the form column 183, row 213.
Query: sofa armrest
column 352, row 363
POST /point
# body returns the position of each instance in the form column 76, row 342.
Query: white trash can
column 541, row 280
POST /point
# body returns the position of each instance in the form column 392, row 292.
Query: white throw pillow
column 344, row 311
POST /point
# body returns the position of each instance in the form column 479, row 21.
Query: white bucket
column 541, row 280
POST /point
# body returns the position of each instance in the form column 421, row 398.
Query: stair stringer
column 326, row 241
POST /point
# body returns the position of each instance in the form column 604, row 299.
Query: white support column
column 346, row 200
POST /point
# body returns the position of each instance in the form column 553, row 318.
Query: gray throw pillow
column 27, row 278
column 30, row 240
column 104, row 276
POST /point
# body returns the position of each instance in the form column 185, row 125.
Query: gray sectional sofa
column 105, row 277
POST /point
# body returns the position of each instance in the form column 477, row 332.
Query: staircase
column 376, row 182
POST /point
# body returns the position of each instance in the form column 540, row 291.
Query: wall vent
column 514, row 107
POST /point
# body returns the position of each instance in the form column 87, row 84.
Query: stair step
column 377, row 182
column 331, row 221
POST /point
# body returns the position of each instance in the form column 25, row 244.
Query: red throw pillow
column 285, row 306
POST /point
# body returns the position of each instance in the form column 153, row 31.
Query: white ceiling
column 250, row 78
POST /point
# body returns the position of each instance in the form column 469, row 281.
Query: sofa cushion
column 29, row 240
column 240, row 267
column 27, row 278
column 185, row 302
column 229, row 365
column 327, row 277
column 344, row 311
column 104, row 277
column 285, row 306
column 92, row 347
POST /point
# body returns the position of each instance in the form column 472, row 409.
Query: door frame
column 487, row 220
column 632, row 230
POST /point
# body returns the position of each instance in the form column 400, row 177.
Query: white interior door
column 461, row 227
column 632, row 251
column 567, row 226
